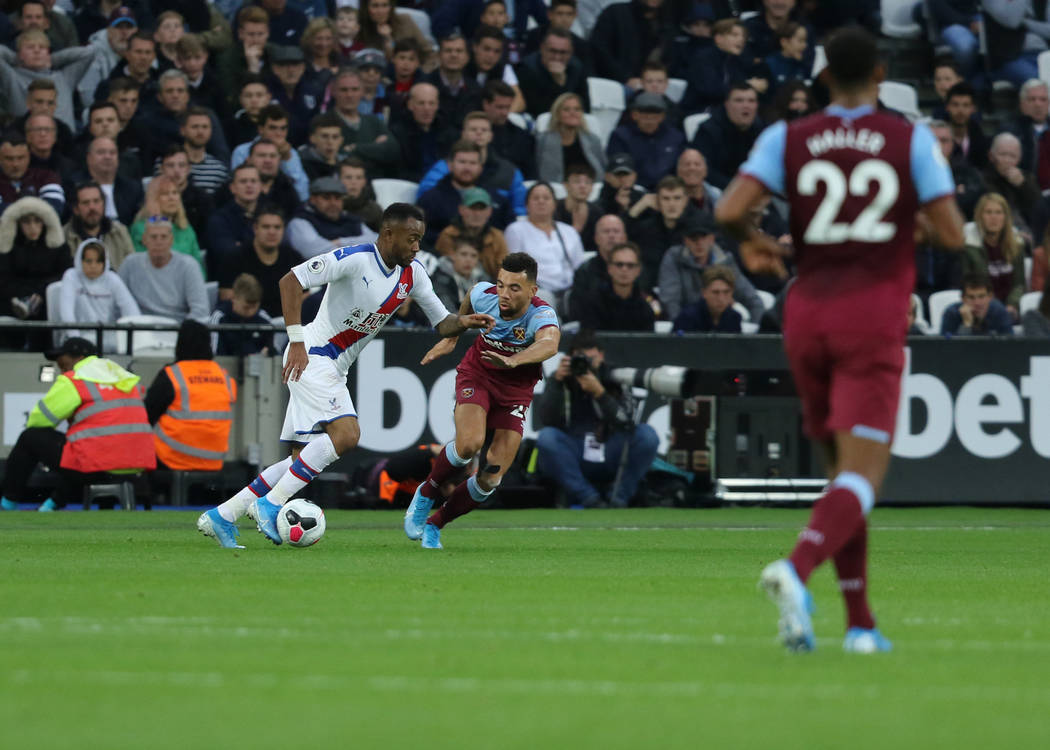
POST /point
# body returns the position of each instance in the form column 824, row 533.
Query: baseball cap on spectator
column 475, row 195
column 75, row 346
column 699, row 12
column 286, row 54
column 122, row 14
column 647, row 101
column 370, row 58
column 621, row 164
column 327, row 186
column 698, row 224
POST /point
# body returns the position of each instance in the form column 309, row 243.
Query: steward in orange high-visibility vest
column 192, row 430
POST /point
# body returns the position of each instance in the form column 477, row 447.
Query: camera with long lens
column 667, row 380
column 579, row 364
column 675, row 381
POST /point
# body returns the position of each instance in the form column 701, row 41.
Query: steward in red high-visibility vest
column 190, row 404
column 108, row 431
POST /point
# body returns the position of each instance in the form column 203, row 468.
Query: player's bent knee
column 345, row 434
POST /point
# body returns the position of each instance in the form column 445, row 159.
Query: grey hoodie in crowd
column 85, row 300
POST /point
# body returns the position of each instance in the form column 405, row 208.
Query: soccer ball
column 300, row 523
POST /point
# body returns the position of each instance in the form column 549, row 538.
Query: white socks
column 237, row 505
column 313, row 459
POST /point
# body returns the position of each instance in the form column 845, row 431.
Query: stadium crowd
column 178, row 158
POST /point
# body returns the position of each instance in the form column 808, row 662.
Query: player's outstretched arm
column 292, row 307
column 454, row 325
column 447, row 344
column 543, row 348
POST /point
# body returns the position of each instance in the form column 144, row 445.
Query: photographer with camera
column 589, row 433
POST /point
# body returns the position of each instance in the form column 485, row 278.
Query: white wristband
column 295, row 333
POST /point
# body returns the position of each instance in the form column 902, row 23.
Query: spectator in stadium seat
column 364, row 136
column 1036, row 323
column 381, row 27
column 792, row 100
column 789, row 63
column 993, row 248
column 576, row 208
column 683, row 266
column 19, row 180
column 139, row 66
column 41, row 137
column 406, row 74
column 619, row 192
column 360, row 198
column 163, row 282
column 92, row 292
column 175, row 165
column 649, row 139
column 89, row 221
column 656, row 81
column 286, row 23
column 321, row 225
column 1031, row 122
column 42, row 99
column 33, row 254
column 691, row 37
column 555, row 245
column 713, row 312
column 164, row 123
column 726, row 138
column 163, row 201
column 423, row 134
column 190, row 405
column 979, row 313
column 40, row 14
column 324, row 151
column 131, row 138
column 267, row 258
column 320, row 49
column 94, row 444
column 586, row 421
column 692, row 170
column 442, row 201
column 243, row 307
column 457, row 273
column 617, row 303
column 472, row 224
column 655, row 224
column 207, row 172
column 293, row 91
column 552, row 71
column 191, row 57
column 109, row 43
column 715, row 69
column 371, row 65
column 274, row 125
column 508, row 140
column 230, row 226
column 276, row 187
column 566, row 141
column 609, row 232
column 499, row 177
column 1011, row 29
column 247, row 54
column 92, row 16
column 34, row 60
column 624, row 37
column 970, row 141
column 489, row 63
column 969, row 186
column 466, row 15
column 765, row 33
column 562, row 15
column 1003, row 176
column 957, row 23
column 457, row 94
column 253, row 97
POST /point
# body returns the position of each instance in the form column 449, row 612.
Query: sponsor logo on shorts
column 333, row 405
column 466, row 392
column 519, row 332
column 316, row 265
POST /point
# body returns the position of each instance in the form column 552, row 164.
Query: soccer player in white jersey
column 366, row 285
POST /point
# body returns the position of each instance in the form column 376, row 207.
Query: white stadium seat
column 897, row 21
column 1043, row 61
column 693, row 122
column 607, row 104
column 1029, row 301
column 939, row 302
column 768, row 298
column 920, row 316
column 820, row 60
column 390, row 191
column 152, row 343
column 676, row 89
column 901, row 97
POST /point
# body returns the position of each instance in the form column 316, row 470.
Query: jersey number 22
column 823, row 228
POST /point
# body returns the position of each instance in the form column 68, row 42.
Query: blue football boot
column 780, row 581
column 8, row 504
column 865, row 641
column 266, row 519
column 212, row 524
column 417, row 513
column 431, row 537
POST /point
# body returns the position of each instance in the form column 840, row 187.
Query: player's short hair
column 976, row 280
column 715, row 273
column 248, row 288
column 399, row 213
column 521, row 263
column 579, row 168
column 42, row 84
column 496, row 88
column 962, row 88
column 852, row 56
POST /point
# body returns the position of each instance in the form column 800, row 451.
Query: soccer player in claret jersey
column 494, row 385
column 859, row 183
column 366, row 285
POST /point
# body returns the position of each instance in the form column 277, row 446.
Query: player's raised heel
column 212, row 524
column 431, row 537
column 783, row 586
column 416, row 515
column 865, row 641
column 266, row 519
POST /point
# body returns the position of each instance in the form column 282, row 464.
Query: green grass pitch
column 531, row 629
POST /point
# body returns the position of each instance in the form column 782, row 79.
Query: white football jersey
column 363, row 292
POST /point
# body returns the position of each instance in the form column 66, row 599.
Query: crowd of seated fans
column 177, row 159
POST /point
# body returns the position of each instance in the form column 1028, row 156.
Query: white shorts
column 318, row 397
